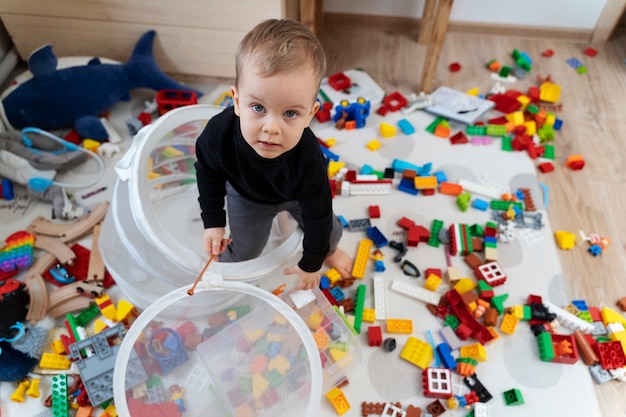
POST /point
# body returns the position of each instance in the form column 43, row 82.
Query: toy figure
column 177, row 397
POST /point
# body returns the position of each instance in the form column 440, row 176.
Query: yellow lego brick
column 531, row 127
column 340, row 357
column 517, row 311
column 330, row 142
column 259, row 385
column 549, row 92
column 99, row 325
column 279, row 363
column 432, row 282
column 550, row 119
column 369, row 315
column 474, row 351
column 333, row 275
column 57, row 347
column 172, row 152
column 54, row 361
column 314, row 321
column 509, row 323
column 572, row 309
column 517, row 118
column 362, row 256
column 111, row 411
column 524, row 100
column 472, row 306
column 387, row 130
column 91, row 145
column 401, row 326
column 124, row 310
column 373, row 145
column 106, row 306
column 565, row 240
column 418, row 352
column 473, row 92
column 338, row 400
column 425, row 183
column 334, row 167
column 464, row 285
column 611, row 316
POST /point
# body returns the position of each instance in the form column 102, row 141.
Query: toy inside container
column 256, row 354
column 151, row 239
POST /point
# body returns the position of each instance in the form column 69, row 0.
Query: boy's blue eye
column 290, row 114
column 258, row 108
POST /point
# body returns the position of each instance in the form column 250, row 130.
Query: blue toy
column 73, row 97
column 357, row 111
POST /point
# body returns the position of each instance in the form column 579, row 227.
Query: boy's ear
column 235, row 95
column 314, row 109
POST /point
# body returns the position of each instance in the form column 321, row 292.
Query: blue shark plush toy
column 72, row 97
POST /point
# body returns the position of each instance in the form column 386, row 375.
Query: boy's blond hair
column 275, row 46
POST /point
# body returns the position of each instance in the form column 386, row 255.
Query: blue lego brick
column 407, row 186
column 324, row 282
column 581, row 305
column 338, row 293
column 328, row 154
column 480, row 204
column 445, row 356
column 343, row 221
column 490, row 239
column 400, row 166
column 377, row 237
column 441, row 176
column 7, row 189
column 366, row 169
column 558, row 123
column 406, row 127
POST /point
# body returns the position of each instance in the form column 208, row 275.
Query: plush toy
column 73, row 97
column 42, row 159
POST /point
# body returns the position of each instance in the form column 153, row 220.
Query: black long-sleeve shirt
column 297, row 175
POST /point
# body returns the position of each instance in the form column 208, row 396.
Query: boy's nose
column 271, row 126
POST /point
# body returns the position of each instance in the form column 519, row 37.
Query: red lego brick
column 382, row 110
column 417, row 234
column 374, row 336
column 505, row 104
column 394, row 101
column 491, row 273
column 339, row 81
column 374, row 212
column 455, row 67
column 545, row 167
column 437, row 383
column 547, row 53
column 565, row 348
column 611, row 354
column 590, row 51
column 405, row 223
column 458, row 138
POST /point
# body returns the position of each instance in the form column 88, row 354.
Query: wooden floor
column 594, row 115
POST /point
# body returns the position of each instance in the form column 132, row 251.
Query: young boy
column 261, row 155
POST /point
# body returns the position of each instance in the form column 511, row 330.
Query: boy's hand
column 213, row 240
column 308, row 280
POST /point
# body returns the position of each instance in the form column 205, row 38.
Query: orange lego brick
column 401, row 326
column 450, row 188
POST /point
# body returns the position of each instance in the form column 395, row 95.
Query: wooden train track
column 38, row 292
column 69, row 232
column 58, row 249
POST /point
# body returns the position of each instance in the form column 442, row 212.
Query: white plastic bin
column 151, row 237
column 256, row 355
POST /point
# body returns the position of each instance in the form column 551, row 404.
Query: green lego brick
column 504, row 205
column 532, row 108
column 435, row 228
column 496, row 130
column 546, row 349
column 85, row 316
column 431, row 127
column 548, row 152
column 476, row 130
column 505, row 70
column 546, row 133
column 585, row 315
column 582, row 69
column 527, row 312
column 497, row 302
column 60, row 406
column 506, row 144
column 477, row 230
column 452, row 321
column 463, row 200
column 483, row 286
column 361, row 292
column 513, row 397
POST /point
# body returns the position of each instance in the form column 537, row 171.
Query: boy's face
column 274, row 110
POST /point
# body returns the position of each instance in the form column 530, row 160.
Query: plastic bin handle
column 124, row 165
